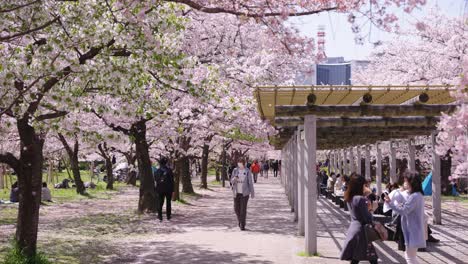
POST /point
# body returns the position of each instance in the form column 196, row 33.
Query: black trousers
column 275, row 173
column 357, row 261
column 240, row 207
column 161, row 197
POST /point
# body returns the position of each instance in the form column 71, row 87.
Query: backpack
column 163, row 180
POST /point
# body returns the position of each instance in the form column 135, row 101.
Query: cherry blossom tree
column 55, row 52
column 453, row 135
column 430, row 53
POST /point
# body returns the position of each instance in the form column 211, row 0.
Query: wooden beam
column 363, row 110
column 362, row 122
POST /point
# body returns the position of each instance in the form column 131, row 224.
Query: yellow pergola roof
column 270, row 96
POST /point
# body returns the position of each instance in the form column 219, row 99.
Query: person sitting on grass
column 14, row 193
column 45, row 193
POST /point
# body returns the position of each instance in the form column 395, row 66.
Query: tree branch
column 19, row 34
column 10, row 160
column 111, row 125
column 18, row 7
column 51, row 115
column 216, row 10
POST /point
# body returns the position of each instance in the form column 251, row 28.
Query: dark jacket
column 356, row 246
column 164, row 180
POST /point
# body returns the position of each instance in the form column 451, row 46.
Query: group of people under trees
column 46, row 196
column 404, row 202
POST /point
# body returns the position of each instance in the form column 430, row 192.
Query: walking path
column 205, row 232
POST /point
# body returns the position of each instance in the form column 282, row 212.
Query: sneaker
column 432, row 239
column 422, row 250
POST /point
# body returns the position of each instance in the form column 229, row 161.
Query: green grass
column 307, row 255
column 15, row 256
column 8, row 215
column 211, row 171
column 65, row 195
column 215, row 182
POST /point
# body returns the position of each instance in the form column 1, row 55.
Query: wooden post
column 310, row 128
column 345, row 162
column 340, row 161
column 412, row 158
column 436, row 186
column 378, row 170
column 368, row 168
column 300, row 180
column 295, row 176
column 393, row 176
column 352, row 164
column 359, row 163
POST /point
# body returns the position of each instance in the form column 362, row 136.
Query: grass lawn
column 63, row 195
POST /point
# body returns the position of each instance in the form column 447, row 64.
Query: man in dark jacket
column 164, row 181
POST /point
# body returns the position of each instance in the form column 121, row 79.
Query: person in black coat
column 356, row 247
column 164, row 182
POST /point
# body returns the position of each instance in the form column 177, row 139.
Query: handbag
column 375, row 231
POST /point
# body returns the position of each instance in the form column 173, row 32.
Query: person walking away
column 412, row 217
column 266, row 167
column 275, row 166
column 242, row 188
column 255, row 169
column 164, row 180
column 356, row 247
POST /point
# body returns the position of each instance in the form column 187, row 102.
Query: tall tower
column 321, row 56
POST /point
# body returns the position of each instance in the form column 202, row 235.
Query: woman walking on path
column 412, row 217
column 242, row 188
column 356, row 246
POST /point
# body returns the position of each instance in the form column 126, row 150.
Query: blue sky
column 340, row 38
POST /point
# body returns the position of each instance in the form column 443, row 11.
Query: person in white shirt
column 45, row 193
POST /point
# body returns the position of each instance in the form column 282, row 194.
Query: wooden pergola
column 340, row 119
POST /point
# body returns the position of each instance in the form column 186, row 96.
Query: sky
column 340, row 39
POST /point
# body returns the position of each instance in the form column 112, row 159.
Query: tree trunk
column 224, row 167
column 147, row 200
column 73, row 156
column 176, row 195
column 131, row 176
column 445, row 167
column 185, row 175
column 29, row 173
column 104, row 151
column 204, row 166
column 2, row 177
column 110, row 176
column 218, row 178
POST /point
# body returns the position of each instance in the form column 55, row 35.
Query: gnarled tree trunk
column 104, row 151
column 73, row 156
column 184, row 171
column 147, row 201
column 29, row 171
column 177, row 172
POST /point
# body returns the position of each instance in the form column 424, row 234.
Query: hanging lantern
column 311, row 98
column 424, row 97
column 367, row 98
